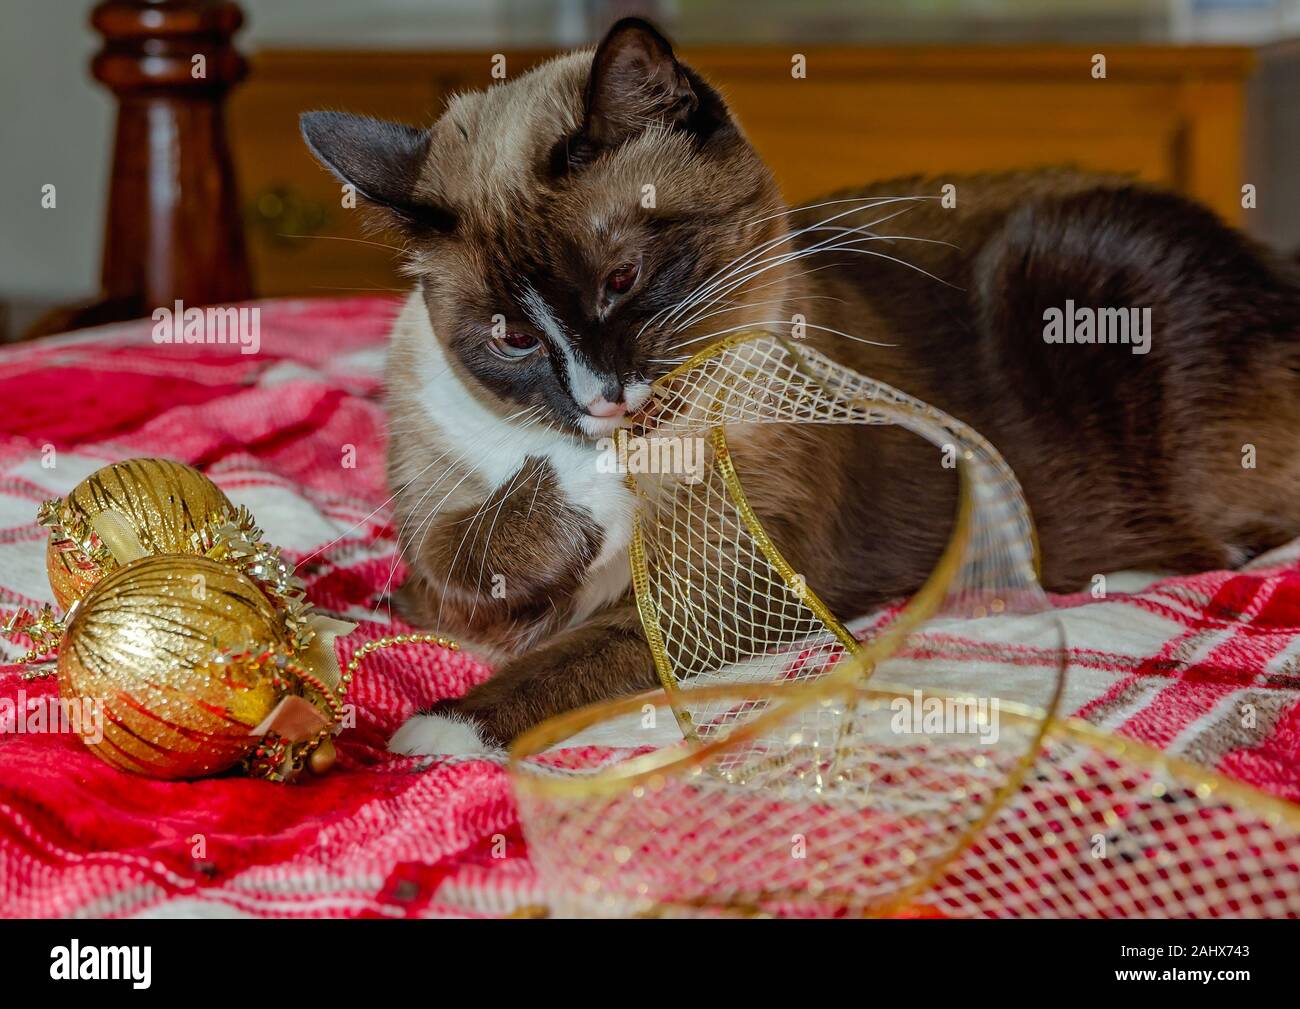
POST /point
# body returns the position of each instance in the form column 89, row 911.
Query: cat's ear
column 381, row 160
column 635, row 82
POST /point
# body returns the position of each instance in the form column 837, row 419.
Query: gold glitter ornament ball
column 179, row 654
column 156, row 503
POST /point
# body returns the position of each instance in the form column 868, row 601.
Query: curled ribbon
column 788, row 731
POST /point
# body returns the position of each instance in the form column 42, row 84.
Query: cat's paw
column 440, row 735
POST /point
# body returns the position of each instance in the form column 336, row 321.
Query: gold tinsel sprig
column 237, row 540
column 71, row 533
column 43, row 628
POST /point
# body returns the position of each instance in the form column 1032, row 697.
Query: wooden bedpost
column 174, row 229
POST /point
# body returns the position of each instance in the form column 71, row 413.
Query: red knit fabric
column 392, row 836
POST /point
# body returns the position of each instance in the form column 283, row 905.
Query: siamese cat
column 550, row 293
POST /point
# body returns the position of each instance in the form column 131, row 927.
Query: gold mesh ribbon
column 794, row 788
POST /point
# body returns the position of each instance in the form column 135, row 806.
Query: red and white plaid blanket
column 1171, row 664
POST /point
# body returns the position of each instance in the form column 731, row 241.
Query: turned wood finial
column 174, row 228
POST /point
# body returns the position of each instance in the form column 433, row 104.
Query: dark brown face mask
column 550, row 273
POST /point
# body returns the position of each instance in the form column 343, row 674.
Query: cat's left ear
column 380, row 160
column 635, row 82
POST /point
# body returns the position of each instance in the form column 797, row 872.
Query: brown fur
column 525, row 533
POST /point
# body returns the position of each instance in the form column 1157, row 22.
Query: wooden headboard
column 1170, row 115
column 174, row 221
column 194, row 217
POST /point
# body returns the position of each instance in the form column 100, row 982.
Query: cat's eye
column 515, row 345
column 621, row 278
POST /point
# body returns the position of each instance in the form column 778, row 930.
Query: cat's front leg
column 605, row 657
column 500, row 573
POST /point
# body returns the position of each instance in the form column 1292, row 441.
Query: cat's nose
column 601, row 407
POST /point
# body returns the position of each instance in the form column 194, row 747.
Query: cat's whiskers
column 779, row 322
column 672, row 362
column 531, row 504
column 798, row 254
column 372, row 290
column 426, row 523
column 487, row 540
column 748, row 261
column 529, row 416
column 849, row 247
column 831, row 203
column 771, row 264
column 527, row 630
column 530, row 420
column 724, row 282
column 401, row 249
column 413, row 428
column 867, row 203
column 852, row 247
column 400, row 551
column 741, row 305
column 428, row 466
column 785, row 279
column 795, row 276
column 748, row 257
